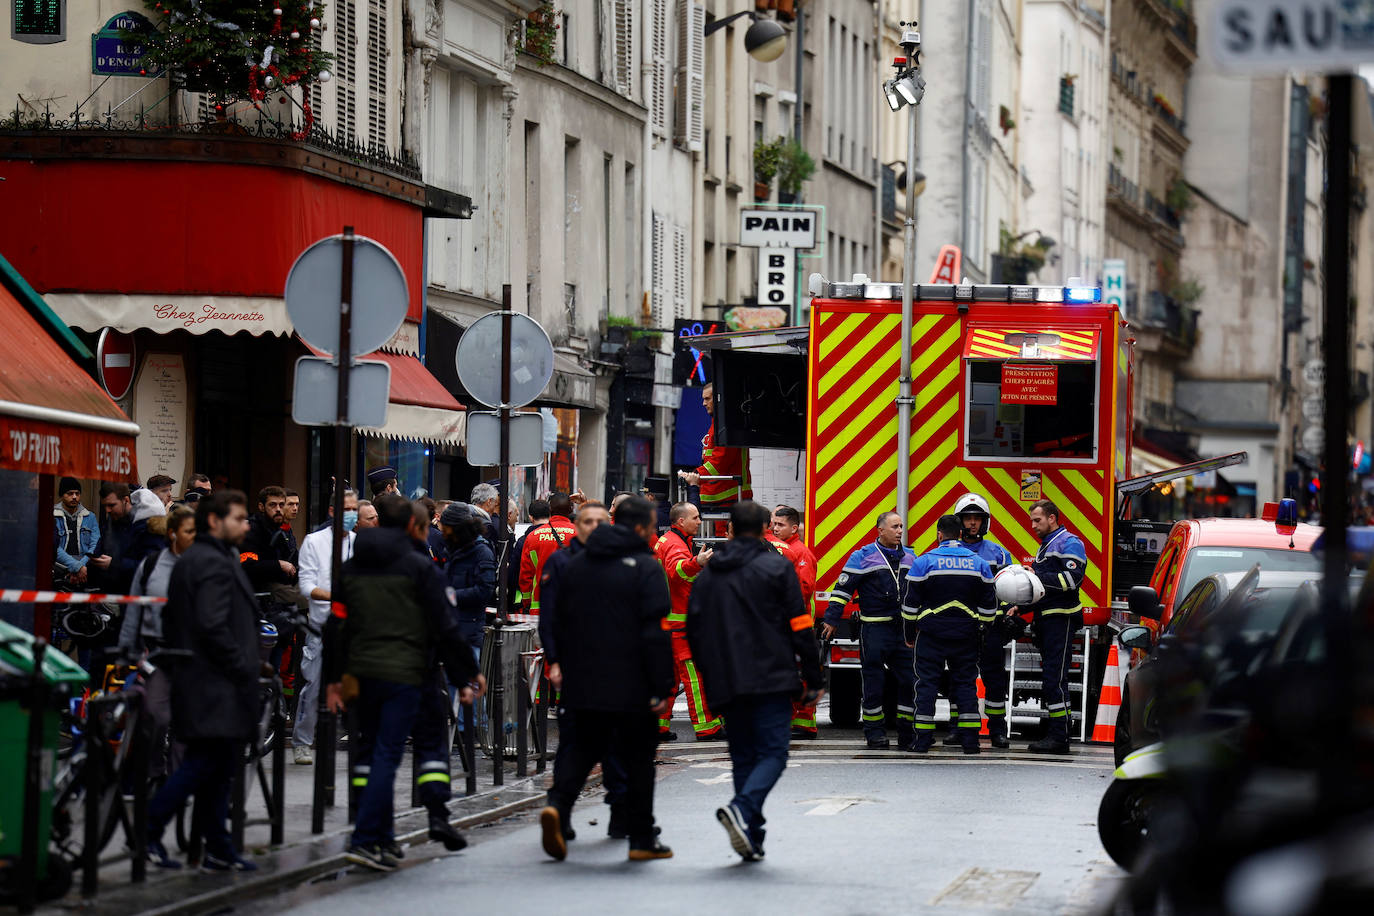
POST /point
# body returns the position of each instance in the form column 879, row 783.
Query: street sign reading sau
column 1276, row 36
column 379, row 301
column 780, row 228
column 115, row 360
column 1114, row 283
column 315, row 399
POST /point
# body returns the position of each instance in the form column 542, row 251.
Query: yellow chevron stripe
column 830, row 340
column 935, row 456
column 840, row 477
column 930, row 351
column 933, row 391
column 1079, row 525
column 1080, row 482
column 875, row 388
column 869, row 348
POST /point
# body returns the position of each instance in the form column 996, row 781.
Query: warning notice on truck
column 1030, row 384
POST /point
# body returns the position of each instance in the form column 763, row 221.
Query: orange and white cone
column 1109, row 701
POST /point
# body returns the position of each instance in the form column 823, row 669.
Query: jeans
column 207, row 771
column 386, row 714
column 758, row 729
column 632, row 739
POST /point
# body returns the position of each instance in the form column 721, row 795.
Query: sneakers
column 441, row 831
column 393, row 849
column 218, row 865
column 735, row 828
column 372, row 857
column 551, row 823
column 645, row 853
column 157, row 854
column 302, row 755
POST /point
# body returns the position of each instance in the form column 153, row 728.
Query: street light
column 906, row 89
column 765, row 40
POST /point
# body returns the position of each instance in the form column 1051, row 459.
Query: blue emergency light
column 1082, row 294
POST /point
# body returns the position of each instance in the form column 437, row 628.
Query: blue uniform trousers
column 1054, row 638
column 961, row 654
column 882, row 648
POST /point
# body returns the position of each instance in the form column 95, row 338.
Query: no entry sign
column 115, row 361
column 1030, row 384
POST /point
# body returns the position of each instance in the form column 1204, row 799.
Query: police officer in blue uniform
column 949, row 597
column 1060, row 565
column 875, row 577
column 974, row 519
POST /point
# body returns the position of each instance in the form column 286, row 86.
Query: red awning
column 54, row 418
column 412, row 383
column 421, row 408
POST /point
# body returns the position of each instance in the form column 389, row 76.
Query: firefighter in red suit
column 681, row 563
column 719, row 461
column 787, row 529
column 540, row 543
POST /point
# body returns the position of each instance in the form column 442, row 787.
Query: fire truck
column 1020, row 393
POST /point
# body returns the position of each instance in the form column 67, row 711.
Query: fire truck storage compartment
column 760, row 399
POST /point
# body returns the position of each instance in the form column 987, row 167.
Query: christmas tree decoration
column 237, row 50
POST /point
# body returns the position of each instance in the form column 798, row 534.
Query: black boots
column 441, row 831
column 997, row 731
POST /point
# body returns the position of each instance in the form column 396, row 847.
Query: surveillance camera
column 911, row 38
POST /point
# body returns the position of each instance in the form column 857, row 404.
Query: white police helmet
column 972, row 503
column 1019, row 586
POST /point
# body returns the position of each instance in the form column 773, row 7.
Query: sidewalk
column 302, row 855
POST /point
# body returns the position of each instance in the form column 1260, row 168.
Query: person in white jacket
column 316, row 565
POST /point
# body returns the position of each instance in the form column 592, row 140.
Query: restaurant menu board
column 162, row 411
column 39, row 21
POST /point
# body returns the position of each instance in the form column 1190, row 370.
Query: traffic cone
column 1109, row 701
column 982, row 692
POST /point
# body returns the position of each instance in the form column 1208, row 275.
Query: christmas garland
column 239, row 49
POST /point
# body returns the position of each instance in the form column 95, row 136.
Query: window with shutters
column 682, row 272
column 345, row 69
column 661, row 86
column 659, row 288
column 691, row 74
column 377, row 55
column 623, row 69
column 982, row 97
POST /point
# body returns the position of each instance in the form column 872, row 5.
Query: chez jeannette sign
column 1024, row 383
column 112, row 54
column 164, row 313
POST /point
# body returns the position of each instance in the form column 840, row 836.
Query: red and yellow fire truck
column 1021, row 392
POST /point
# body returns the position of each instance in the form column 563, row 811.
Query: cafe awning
column 54, row 418
column 1031, row 342
column 421, row 408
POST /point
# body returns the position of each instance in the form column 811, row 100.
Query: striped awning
column 1056, row 344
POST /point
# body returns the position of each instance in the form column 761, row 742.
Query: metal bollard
column 27, row 873
column 522, row 724
column 470, row 747
column 238, row 817
column 94, row 770
column 542, row 719
column 496, row 727
column 278, row 812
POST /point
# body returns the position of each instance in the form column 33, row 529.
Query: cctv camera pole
column 911, row 43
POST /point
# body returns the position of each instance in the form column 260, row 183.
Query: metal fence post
column 542, row 722
column 496, row 727
column 278, row 812
column 470, row 747
column 94, row 769
column 522, row 723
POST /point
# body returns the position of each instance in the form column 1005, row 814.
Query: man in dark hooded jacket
column 748, row 628
column 396, row 617
column 616, row 668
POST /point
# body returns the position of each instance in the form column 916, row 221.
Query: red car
column 1199, row 547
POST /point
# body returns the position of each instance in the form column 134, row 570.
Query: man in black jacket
column 748, row 628
column 211, row 624
column 616, row 668
column 396, row 617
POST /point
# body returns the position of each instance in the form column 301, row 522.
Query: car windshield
column 1203, row 561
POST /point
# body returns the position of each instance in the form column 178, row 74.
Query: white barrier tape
column 25, row 596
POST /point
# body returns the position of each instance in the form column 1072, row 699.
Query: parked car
column 1198, row 547
column 1255, row 601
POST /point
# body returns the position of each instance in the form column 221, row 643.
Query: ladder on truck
column 1026, row 704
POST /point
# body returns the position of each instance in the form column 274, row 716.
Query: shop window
column 1063, row 428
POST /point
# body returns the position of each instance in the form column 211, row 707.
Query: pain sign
column 1276, row 36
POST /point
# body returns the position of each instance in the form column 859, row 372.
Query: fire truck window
column 1064, row 430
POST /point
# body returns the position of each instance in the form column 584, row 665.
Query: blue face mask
column 350, row 519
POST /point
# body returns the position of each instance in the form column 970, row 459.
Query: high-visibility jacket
column 677, row 553
column 540, row 543
column 720, row 461
column 804, row 562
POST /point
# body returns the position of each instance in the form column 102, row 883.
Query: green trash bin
column 63, row 676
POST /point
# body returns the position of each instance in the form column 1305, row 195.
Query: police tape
column 522, row 618
column 26, row 596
